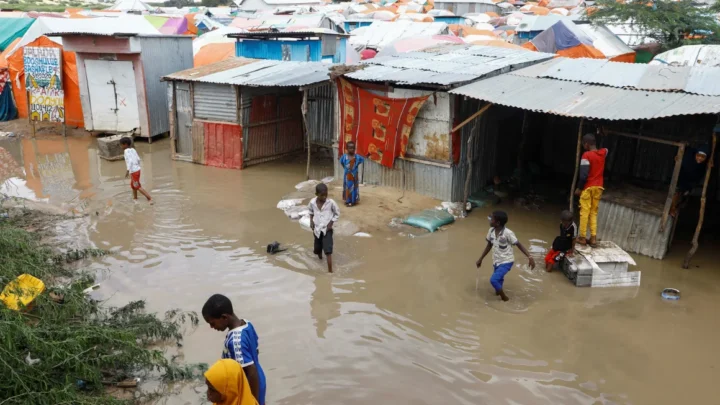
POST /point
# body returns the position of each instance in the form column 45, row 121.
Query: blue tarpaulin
column 11, row 28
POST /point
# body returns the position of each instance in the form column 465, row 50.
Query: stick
column 708, row 171
column 304, row 114
column 472, row 117
column 673, row 186
column 577, row 165
column 469, row 154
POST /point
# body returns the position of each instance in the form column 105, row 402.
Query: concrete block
column 611, row 280
column 583, row 281
column 109, row 147
column 614, row 267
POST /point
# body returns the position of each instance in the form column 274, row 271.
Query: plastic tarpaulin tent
column 565, row 39
column 12, row 28
column 212, row 53
column 73, row 108
column 174, row 26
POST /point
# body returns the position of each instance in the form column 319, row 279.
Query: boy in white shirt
column 132, row 161
column 501, row 240
column 324, row 213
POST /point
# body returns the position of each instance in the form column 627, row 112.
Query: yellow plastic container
column 22, row 291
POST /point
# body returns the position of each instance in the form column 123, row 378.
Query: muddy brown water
column 401, row 321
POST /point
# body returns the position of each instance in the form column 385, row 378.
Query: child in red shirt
column 590, row 187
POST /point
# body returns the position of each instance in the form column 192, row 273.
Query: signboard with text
column 43, row 81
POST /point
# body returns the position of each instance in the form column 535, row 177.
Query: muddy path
column 401, row 321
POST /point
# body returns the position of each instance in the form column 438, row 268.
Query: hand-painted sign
column 43, row 81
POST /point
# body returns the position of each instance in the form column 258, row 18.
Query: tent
column 215, row 37
column 12, row 28
column 565, row 38
column 130, row 5
column 73, row 108
column 174, row 26
column 212, row 53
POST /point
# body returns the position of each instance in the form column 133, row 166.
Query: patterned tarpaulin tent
column 174, row 26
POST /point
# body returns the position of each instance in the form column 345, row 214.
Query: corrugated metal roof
column 256, row 72
column 447, row 65
column 575, row 99
column 381, row 33
column 689, row 79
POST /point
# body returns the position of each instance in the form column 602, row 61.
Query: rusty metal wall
column 162, row 56
column 428, row 179
column 321, row 114
column 215, row 102
column 272, row 123
column 634, row 231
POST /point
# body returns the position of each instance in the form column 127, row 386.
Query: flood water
column 401, row 321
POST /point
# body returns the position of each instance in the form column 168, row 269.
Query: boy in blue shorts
column 241, row 341
column 501, row 240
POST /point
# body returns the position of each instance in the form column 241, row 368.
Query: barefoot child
column 324, row 212
column 501, row 240
column 351, row 162
column 132, row 161
column 241, row 342
column 562, row 245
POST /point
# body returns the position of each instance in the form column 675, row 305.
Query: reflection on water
column 402, row 322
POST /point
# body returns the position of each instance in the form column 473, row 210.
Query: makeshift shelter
column 646, row 115
column 214, row 37
column 131, row 5
column 432, row 151
column 73, row 106
column 240, row 112
column 13, row 28
column 212, row 53
column 460, row 7
column 381, row 33
column 119, row 79
column 300, row 46
column 690, row 55
column 260, row 5
column 571, row 40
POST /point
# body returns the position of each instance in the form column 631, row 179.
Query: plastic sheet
column 429, row 219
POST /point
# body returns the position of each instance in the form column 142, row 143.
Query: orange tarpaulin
column 499, row 43
column 3, row 55
column 192, row 29
column 73, row 108
column 465, row 30
column 627, row 58
column 379, row 126
column 212, row 53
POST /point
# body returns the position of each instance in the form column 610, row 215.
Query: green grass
column 83, row 346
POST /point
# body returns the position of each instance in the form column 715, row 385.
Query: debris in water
column 6, row 134
column 91, row 289
column 671, row 294
column 274, row 247
column 362, row 235
column 297, row 212
column 285, row 204
column 306, row 184
column 305, row 221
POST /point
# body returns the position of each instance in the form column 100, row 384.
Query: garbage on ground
column 91, row 289
column 6, row 134
column 306, row 184
column 285, row 204
column 453, row 208
column 328, row 179
column 22, row 291
column 30, row 361
column 362, row 235
column 429, row 219
column 297, row 212
column 129, row 383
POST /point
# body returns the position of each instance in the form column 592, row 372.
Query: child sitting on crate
column 562, row 245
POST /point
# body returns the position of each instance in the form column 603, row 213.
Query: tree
column 670, row 23
column 216, row 3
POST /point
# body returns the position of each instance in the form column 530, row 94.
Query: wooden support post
column 703, row 197
column 469, row 153
column 673, row 186
column 577, row 165
column 307, row 132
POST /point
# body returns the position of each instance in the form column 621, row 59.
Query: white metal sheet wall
column 216, row 102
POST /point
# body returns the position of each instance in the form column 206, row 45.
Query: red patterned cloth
column 379, row 126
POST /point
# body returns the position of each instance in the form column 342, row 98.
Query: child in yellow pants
column 590, row 187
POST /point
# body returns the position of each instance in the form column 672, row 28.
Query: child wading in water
column 562, row 245
column 324, row 212
column 351, row 162
column 132, row 161
column 501, row 240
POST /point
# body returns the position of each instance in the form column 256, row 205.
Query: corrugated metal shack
column 240, row 112
column 300, row 46
column 428, row 167
column 647, row 117
column 119, row 75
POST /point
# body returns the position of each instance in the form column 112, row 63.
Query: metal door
column 113, row 96
column 184, row 119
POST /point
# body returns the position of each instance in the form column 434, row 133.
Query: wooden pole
column 673, row 186
column 472, row 117
column 307, row 132
column 708, row 172
column 469, row 153
column 577, row 165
